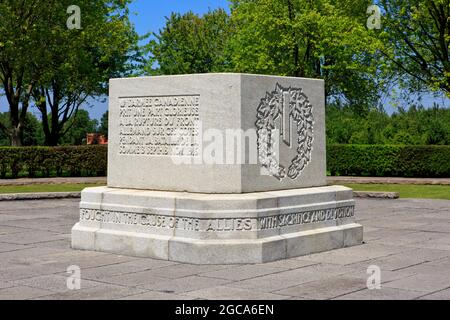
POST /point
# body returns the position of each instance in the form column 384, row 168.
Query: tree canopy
column 189, row 43
column 320, row 39
column 417, row 38
column 41, row 58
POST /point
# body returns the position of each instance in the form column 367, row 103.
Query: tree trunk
column 16, row 136
column 52, row 139
column 295, row 50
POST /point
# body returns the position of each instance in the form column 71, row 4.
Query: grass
column 407, row 190
column 45, row 188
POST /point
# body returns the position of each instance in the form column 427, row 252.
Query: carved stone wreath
column 289, row 105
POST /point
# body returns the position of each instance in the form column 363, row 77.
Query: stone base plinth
column 217, row 229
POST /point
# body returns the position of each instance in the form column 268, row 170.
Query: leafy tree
column 415, row 126
column 82, row 61
column 23, row 52
column 78, row 127
column 190, row 44
column 104, row 124
column 417, row 34
column 318, row 39
column 31, row 133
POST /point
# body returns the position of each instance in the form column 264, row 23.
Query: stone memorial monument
column 216, row 169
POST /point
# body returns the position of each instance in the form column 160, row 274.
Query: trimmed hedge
column 343, row 160
column 53, row 161
column 389, row 161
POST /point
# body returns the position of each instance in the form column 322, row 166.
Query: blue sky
column 148, row 15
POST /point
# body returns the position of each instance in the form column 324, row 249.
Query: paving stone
column 444, row 262
column 327, row 288
column 54, row 283
column 28, row 252
column 184, row 270
column 230, row 293
column 440, row 243
column 361, row 271
column 373, row 234
column 105, row 272
column 351, row 255
column 37, row 223
column 5, row 229
column 83, row 259
column 382, row 294
column 59, row 244
column 409, row 239
column 440, row 295
column 289, row 264
column 242, row 272
column 442, row 226
column 22, row 293
column 186, row 284
column 153, row 295
column 8, row 247
column 404, row 260
column 104, row 292
column 428, row 268
column 5, row 284
column 31, row 237
column 287, row 279
column 18, row 272
column 420, row 282
column 414, row 239
column 135, row 279
column 388, row 222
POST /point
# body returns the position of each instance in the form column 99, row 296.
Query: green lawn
column 407, row 191
column 46, row 188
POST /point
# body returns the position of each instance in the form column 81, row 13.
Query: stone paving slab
column 327, row 288
column 229, row 293
column 440, row 295
column 422, row 282
column 383, row 294
column 408, row 239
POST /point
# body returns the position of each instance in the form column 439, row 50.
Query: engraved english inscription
column 159, row 125
column 219, row 224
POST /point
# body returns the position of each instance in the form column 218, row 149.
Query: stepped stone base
column 217, row 228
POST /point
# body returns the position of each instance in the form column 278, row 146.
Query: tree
column 415, row 126
column 417, row 34
column 78, row 127
column 318, row 39
column 23, row 52
column 104, row 124
column 31, row 133
column 325, row 39
column 81, row 61
column 190, row 44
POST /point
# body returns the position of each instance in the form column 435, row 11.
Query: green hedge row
column 389, row 161
column 53, row 161
column 344, row 160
